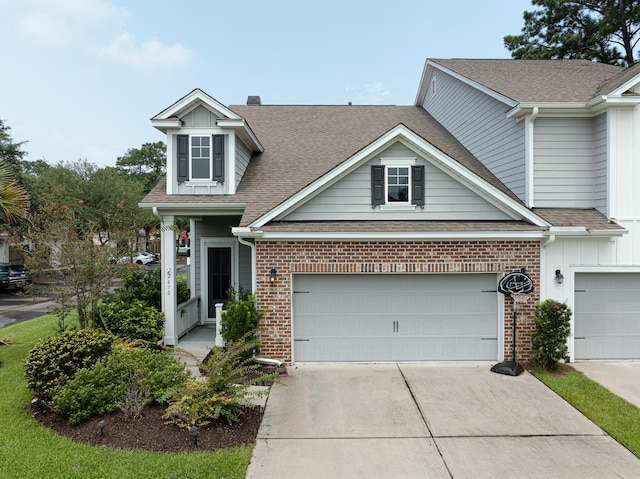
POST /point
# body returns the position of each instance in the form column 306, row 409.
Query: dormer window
column 201, row 158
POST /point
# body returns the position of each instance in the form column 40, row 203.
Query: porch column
column 168, row 268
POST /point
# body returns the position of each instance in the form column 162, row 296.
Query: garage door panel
column 380, row 349
column 395, row 317
column 607, row 316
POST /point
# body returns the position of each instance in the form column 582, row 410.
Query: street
column 16, row 307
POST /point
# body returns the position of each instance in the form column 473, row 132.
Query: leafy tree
column 79, row 212
column 606, row 31
column 13, row 198
column 147, row 163
column 10, row 151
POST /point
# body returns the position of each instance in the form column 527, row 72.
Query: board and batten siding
column 349, row 199
column 564, row 173
column 480, row 123
column 600, row 162
column 199, row 117
column 243, row 155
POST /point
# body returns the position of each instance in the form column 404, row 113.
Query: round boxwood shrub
column 128, row 380
column 54, row 361
column 132, row 320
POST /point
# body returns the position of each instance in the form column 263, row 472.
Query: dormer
column 208, row 145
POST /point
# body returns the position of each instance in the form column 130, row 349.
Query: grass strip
column 28, row 449
column 617, row 417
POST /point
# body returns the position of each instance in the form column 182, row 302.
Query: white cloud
column 151, row 54
column 60, row 22
column 375, row 93
column 97, row 27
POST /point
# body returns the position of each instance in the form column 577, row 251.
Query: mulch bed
column 150, row 432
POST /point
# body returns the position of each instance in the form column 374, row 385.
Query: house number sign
column 168, row 281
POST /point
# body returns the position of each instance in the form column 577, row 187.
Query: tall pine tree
column 606, row 31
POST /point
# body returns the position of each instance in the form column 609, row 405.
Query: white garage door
column 607, row 316
column 395, row 317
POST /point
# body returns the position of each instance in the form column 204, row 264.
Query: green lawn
column 29, row 450
column 619, row 418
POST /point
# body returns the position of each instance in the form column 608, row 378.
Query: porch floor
column 194, row 346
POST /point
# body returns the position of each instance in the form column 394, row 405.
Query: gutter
column 579, row 232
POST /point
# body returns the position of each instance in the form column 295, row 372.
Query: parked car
column 184, row 250
column 143, row 257
column 14, row 276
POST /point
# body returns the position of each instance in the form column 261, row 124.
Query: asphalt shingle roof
column 539, row 81
column 302, row 143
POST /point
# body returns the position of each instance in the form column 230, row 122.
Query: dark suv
column 13, row 276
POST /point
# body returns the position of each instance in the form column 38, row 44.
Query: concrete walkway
column 620, row 377
column 427, row 421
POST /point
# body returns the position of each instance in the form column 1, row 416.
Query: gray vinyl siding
column 564, row 163
column 600, row 162
column 479, row 122
column 243, row 155
column 349, row 199
column 244, row 268
column 216, row 227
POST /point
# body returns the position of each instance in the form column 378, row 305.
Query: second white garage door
column 386, row 317
column 607, row 316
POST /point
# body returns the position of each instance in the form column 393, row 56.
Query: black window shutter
column 417, row 185
column 218, row 158
column 377, row 185
column 183, row 158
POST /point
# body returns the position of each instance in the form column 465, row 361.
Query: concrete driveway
column 427, row 421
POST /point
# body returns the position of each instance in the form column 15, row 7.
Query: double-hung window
column 397, row 183
column 201, row 157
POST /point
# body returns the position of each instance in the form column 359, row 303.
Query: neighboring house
column 379, row 233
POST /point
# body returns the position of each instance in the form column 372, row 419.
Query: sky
column 82, row 78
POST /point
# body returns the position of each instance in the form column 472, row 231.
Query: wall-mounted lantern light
column 272, row 275
column 559, row 278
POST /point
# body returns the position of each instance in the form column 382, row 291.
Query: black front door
column 219, row 271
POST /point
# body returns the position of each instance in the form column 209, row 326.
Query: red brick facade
column 372, row 257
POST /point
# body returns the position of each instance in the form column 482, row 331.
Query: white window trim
column 200, row 180
column 397, row 162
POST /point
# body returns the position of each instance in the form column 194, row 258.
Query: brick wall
column 372, row 257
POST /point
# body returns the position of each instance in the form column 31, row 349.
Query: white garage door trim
column 605, row 324
column 396, row 317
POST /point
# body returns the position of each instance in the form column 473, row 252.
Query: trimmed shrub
column 241, row 317
column 549, row 340
column 128, row 380
column 182, row 290
column 54, row 361
column 132, row 320
column 141, row 285
column 225, row 390
column 145, row 285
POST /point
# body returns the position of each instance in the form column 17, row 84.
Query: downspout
column 254, row 276
column 529, row 173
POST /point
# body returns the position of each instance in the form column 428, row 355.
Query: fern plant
column 225, row 390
